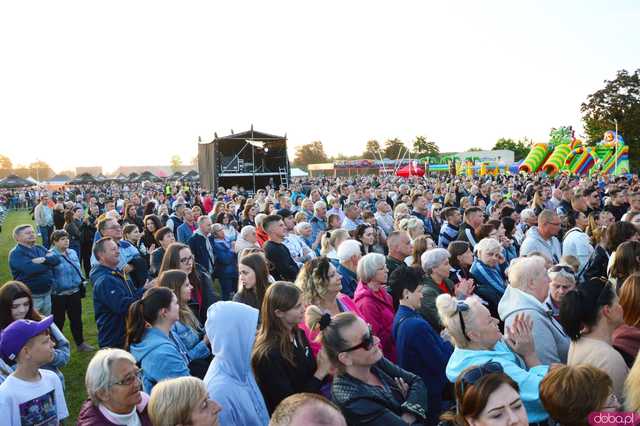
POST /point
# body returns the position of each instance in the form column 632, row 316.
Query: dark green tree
column 520, row 148
column 310, row 153
column 393, row 148
column 619, row 101
column 423, row 147
column 372, row 150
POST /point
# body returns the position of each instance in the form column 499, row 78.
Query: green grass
column 74, row 371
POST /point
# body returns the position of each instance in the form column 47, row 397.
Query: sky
column 88, row 83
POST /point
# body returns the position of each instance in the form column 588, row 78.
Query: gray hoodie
column 552, row 343
column 534, row 242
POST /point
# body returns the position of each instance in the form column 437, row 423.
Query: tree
column 372, row 150
column 175, row 162
column 310, row 153
column 619, row 101
column 394, row 148
column 40, row 170
column 475, row 148
column 520, row 148
column 422, row 147
column 5, row 162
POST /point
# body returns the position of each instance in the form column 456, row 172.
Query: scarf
column 488, row 275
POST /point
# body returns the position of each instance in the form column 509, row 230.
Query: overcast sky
column 133, row 82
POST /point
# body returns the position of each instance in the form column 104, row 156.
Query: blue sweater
column 112, row 296
column 160, row 356
column 37, row 276
column 422, row 352
column 183, row 233
column 226, row 263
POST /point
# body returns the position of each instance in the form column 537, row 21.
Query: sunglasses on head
column 366, row 344
column 472, row 376
column 565, row 268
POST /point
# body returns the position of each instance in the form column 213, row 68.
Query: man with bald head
column 542, row 238
column 400, row 247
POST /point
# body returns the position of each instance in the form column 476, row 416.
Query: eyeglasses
column 472, row 376
column 185, row 260
column 130, row 379
column 366, row 344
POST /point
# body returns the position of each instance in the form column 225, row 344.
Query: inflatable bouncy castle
column 565, row 153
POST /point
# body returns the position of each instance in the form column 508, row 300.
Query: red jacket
column 261, row 236
column 377, row 310
column 90, row 415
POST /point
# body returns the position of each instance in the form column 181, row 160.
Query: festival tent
column 147, row 175
column 32, row 180
column 410, row 170
column 176, row 176
column 133, row 177
column 60, row 179
column 13, row 181
column 83, row 179
column 295, row 172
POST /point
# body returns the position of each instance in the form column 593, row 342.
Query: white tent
column 32, row 180
column 295, row 172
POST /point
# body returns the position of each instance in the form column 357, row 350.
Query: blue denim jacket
column 67, row 277
column 192, row 340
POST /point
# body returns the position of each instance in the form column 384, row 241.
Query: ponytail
column 580, row 308
column 144, row 313
column 330, row 331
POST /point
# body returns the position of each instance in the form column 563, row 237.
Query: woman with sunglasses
column 420, row 348
column 590, row 314
column 368, row 388
column 528, row 289
column 486, row 396
column 477, row 340
column 282, row 358
column 562, row 281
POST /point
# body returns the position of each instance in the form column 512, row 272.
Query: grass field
column 74, row 371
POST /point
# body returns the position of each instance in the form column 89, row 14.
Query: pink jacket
column 377, row 310
column 311, row 335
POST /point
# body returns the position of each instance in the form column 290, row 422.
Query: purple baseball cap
column 18, row 333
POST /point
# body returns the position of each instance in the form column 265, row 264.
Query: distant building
column 160, row 171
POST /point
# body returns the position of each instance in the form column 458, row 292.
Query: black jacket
column 363, row 404
column 278, row 379
column 285, row 268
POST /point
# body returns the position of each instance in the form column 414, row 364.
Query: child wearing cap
column 30, row 395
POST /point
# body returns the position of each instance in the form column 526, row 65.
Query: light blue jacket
column 552, row 343
column 231, row 328
column 160, row 356
column 514, row 367
column 191, row 339
column 68, row 277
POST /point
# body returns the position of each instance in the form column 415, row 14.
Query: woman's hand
column 520, row 337
column 402, row 386
column 464, row 288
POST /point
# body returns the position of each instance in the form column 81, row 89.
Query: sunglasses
column 471, row 377
column 366, row 344
column 565, row 268
column 461, row 308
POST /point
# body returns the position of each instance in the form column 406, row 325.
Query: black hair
column 509, row 225
column 580, row 308
column 403, row 278
column 145, row 312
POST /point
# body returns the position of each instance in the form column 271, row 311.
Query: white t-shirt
column 33, row 403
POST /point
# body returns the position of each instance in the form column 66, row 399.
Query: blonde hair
column 172, row 401
column 520, row 271
column 332, row 239
column 632, row 388
column 448, row 312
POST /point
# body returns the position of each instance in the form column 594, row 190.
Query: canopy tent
column 295, row 172
column 176, row 176
column 410, row 170
column 83, row 179
column 32, row 180
column 147, row 175
column 13, row 181
column 192, row 173
column 192, row 177
column 61, row 179
column 133, row 176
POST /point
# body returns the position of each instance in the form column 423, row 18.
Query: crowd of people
column 371, row 300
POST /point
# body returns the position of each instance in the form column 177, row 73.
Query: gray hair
column 18, row 230
column 202, row 219
column 246, row 230
column 487, row 244
column 348, row 249
column 562, row 274
column 521, row 271
column 300, row 226
column 259, row 218
column 319, row 205
column 527, row 213
column 434, row 257
column 99, row 376
column 369, row 265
